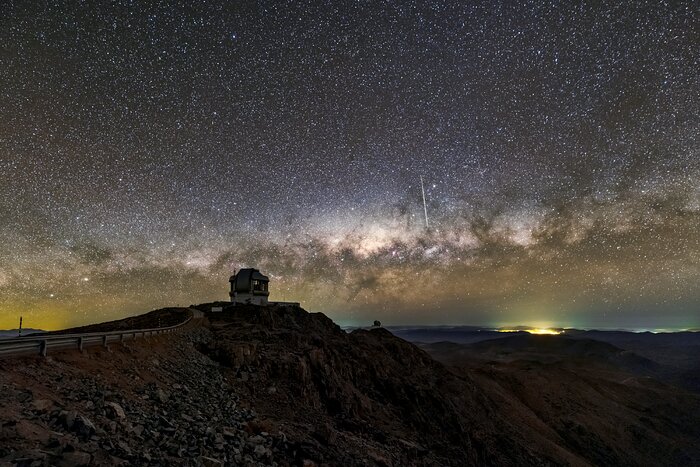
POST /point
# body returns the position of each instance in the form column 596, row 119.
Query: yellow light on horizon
column 538, row 331
column 544, row 331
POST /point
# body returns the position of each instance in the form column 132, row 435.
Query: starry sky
column 149, row 148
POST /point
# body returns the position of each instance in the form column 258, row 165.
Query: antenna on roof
column 425, row 208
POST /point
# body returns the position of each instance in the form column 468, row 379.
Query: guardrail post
column 80, row 344
column 44, row 348
column 104, row 341
column 121, row 339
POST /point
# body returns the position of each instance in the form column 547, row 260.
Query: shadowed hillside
column 372, row 389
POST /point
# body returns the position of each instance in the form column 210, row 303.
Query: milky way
column 148, row 150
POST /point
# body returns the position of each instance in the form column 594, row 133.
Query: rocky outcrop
column 152, row 403
column 368, row 397
column 361, row 398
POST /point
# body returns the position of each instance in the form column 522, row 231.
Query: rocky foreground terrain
column 280, row 386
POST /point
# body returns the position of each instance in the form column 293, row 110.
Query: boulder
column 75, row 459
column 210, row 461
column 42, row 405
column 261, row 451
column 161, row 395
column 115, row 411
column 25, row 396
column 83, row 426
column 67, row 418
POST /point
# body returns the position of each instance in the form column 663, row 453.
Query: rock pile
column 171, row 407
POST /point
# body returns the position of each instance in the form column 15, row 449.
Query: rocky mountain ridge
column 280, row 386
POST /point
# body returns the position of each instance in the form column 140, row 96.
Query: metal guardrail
column 41, row 344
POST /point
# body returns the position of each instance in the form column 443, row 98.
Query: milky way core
column 147, row 150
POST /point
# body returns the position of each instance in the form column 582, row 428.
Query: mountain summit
column 266, row 385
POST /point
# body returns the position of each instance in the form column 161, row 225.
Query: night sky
column 147, row 150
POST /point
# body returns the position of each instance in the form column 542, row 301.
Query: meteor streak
column 425, row 209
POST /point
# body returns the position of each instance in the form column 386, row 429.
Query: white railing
column 41, row 344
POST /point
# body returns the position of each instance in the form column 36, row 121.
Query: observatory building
column 249, row 286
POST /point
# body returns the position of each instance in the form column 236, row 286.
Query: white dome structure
column 249, row 286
